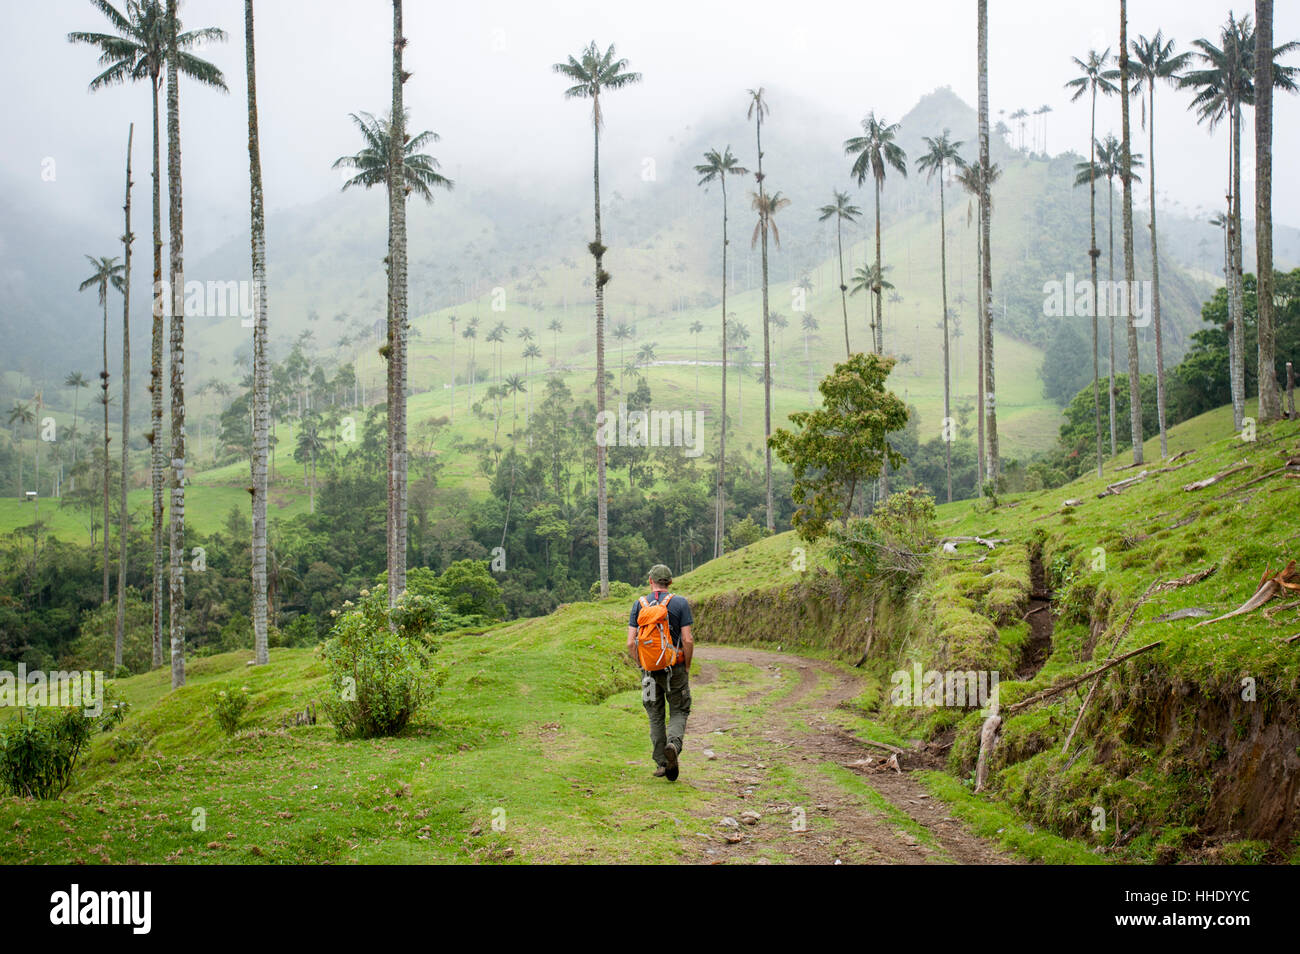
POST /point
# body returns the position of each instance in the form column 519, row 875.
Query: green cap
column 661, row 574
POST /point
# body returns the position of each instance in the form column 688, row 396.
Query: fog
column 482, row 79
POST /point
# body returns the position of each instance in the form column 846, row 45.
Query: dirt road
column 763, row 737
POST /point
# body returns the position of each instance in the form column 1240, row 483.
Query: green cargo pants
column 674, row 687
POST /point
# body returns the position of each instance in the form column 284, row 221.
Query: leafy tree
column 843, row 444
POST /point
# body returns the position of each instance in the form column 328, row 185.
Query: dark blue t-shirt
column 679, row 615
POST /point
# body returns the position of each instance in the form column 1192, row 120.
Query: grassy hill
column 539, row 724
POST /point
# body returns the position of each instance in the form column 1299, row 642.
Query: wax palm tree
column 645, row 355
column 809, row 324
column 623, row 333
column 758, row 108
column 124, row 516
column 531, row 354
column 876, row 152
column 973, row 181
column 1095, row 77
column 19, row 415
column 309, row 445
column 780, row 323
column 1109, row 165
column 452, row 321
column 715, row 168
column 984, row 183
column 1126, row 180
column 841, row 210
column 470, row 334
column 75, row 380
column 106, row 273
column 941, row 151
column 696, row 328
column 1156, row 62
column 1270, row 398
column 135, row 51
column 1223, row 84
column 261, row 360
column 592, row 74
column 767, row 205
column 419, row 170
column 555, row 327
column 496, row 337
column 739, row 335
column 864, row 280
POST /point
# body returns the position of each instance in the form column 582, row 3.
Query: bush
column 618, row 590
column 743, row 533
column 893, row 542
column 39, row 751
column 378, row 678
column 228, row 706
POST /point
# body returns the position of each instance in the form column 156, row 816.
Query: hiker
column 660, row 644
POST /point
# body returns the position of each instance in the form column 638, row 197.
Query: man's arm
column 631, row 646
column 688, row 646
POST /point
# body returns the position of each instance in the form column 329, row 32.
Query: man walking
column 660, row 644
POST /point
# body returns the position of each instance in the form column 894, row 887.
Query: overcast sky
column 482, row 80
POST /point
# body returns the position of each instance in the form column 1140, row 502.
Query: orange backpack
column 654, row 641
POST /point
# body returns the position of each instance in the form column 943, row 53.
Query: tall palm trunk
column 880, row 335
column 124, row 524
column 1093, row 254
column 1270, row 397
column 1155, row 270
column 767, row 348
column 397, row 324
column 103, row 390
column 1110, row 281
column 598, row 252
column 1134, row 371
column 175, row 223
column 979, row 341
column 1238, row 287
column 156, row 458
column 261, row 370
column 720, row 517
column 844, row 290
column 947, row 381
column 986, row 271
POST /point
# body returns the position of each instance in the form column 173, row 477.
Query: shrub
column 39, row 751
column 228, row 706
column 893, row 542
column 378, row 677
column 618, row 590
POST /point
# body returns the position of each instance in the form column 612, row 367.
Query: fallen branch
column 1209, row 481
column 1093, row 690
column 1292, row 639
column 1061, row 687
column 1194, row 577
column 882, row 745
column 1273, row 610
column 983, row 541
column 1269, row 587
column 1254, row 480
column 1122, row 485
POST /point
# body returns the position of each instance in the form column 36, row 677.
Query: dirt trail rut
column 774, row 746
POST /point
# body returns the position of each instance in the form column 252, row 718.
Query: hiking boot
column 670, row 754
column 660, row 772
